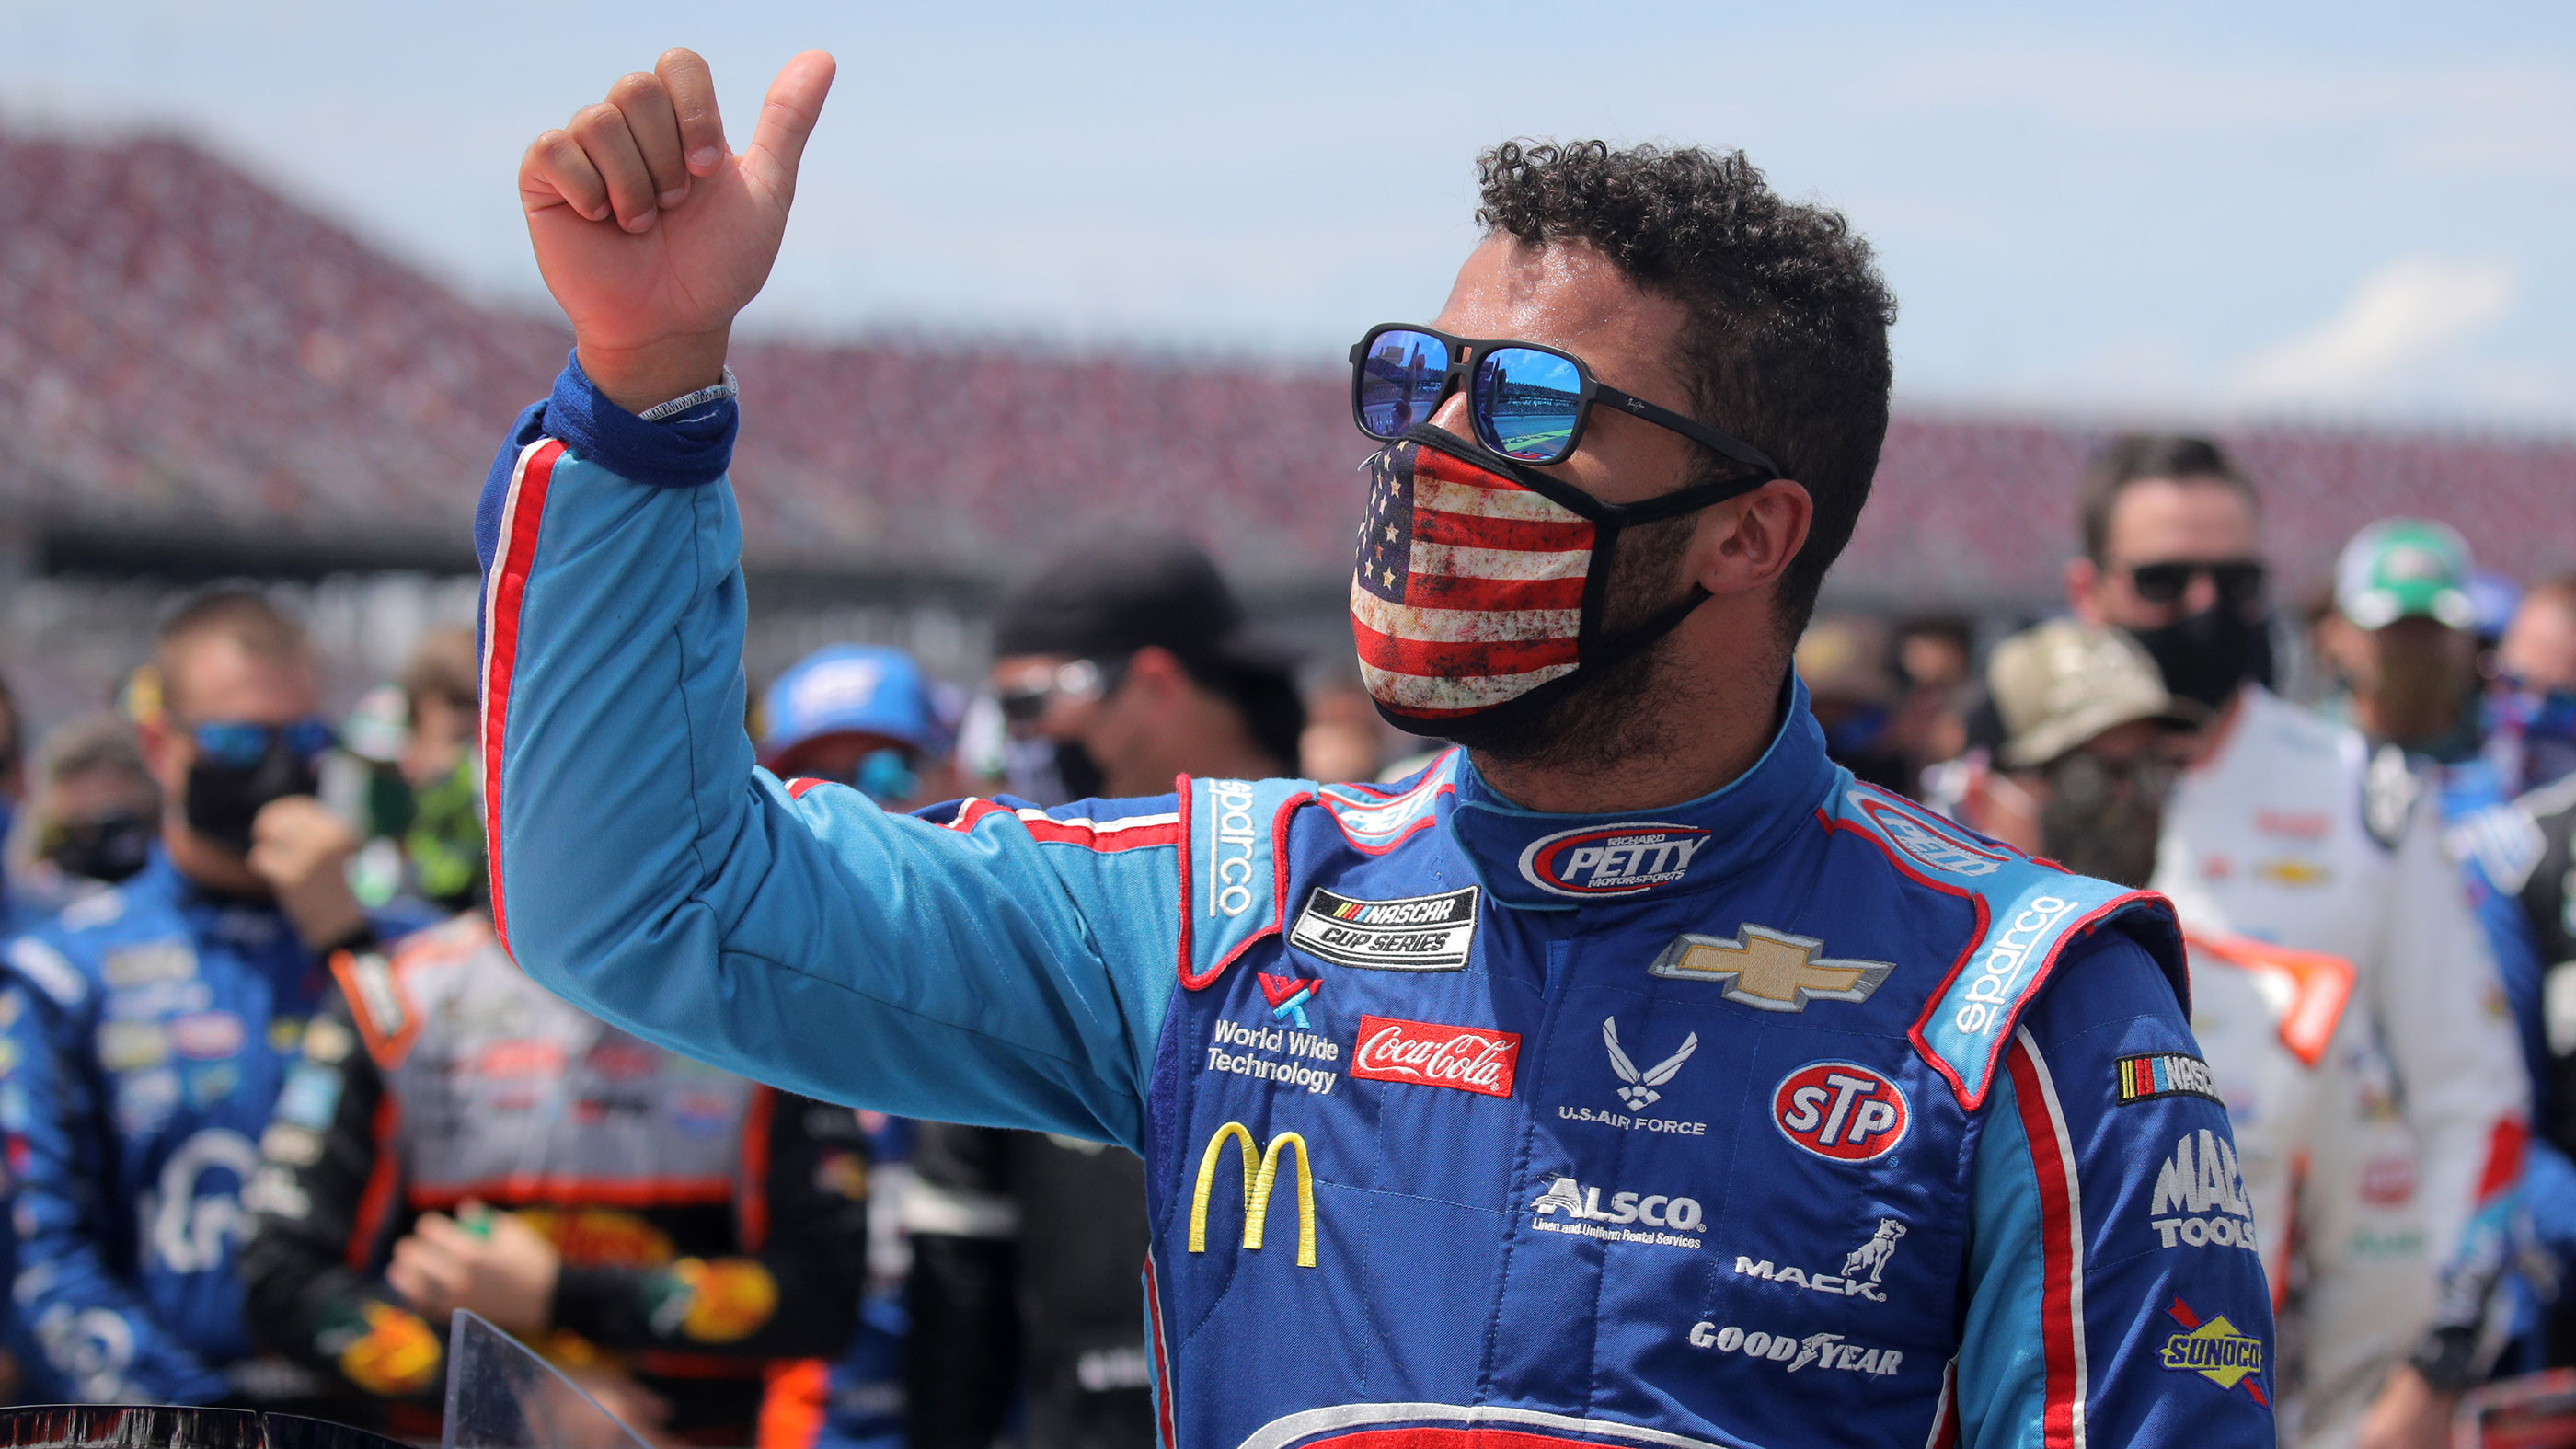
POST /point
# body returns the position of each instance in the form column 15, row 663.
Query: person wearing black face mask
column 1133, row 659
column 94, row 816
column 2289, row 828
column 152, row 1025
column 2083, row 777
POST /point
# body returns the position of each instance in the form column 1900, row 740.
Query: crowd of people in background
column 277, row 1104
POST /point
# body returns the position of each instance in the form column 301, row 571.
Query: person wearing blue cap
column 857, row 714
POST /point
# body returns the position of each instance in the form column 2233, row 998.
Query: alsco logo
column 1467, row 1058
column 1611, row 860
column 1257, row 1183
column 1840, row 1110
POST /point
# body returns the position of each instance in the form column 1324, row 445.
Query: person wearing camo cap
column 2083, row 776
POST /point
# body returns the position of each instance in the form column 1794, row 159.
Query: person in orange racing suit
column 454, row 1136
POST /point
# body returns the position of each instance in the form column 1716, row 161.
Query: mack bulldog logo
column 1863, row 1267
column 1611, row 860
column 1841, row 1110
column 1417, row 933
column 1430, row 1054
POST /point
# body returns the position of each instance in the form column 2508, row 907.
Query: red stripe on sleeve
column 2052, row 1166
column 521, row 514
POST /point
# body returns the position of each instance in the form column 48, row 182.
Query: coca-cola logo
column 1432, row 1054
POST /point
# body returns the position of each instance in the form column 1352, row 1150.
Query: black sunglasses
column 2239, row 581
column 1526, row 402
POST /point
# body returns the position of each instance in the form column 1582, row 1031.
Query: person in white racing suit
column 2286, row 828
column 2321, row 1183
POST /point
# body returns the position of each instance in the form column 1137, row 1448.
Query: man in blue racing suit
column 148, row 1029
column 1629, row 1077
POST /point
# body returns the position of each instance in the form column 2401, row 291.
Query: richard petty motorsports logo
column 1611, row 860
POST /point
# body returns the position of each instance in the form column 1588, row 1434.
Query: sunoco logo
column 1230, row 847
column 1611, row 860
column 2214, row 1349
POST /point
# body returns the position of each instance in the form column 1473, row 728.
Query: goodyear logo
column 1260, row 1175
column 2215, row 1350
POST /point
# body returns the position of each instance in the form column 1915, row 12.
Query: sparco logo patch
column 1931, row 848
column 1230, row 847
column 1418, row 933
column 1840, row 1110
column 2002, row 967
column 1611, row 860
column 1468, row 1058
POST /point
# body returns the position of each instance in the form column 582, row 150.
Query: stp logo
column 1840, row 1110
column 1466, row 1058
column 1611, row 860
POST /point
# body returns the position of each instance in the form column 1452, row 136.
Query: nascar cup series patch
column 1417, row 933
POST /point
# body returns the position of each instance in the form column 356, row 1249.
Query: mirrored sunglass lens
column 1400, row 379
column 1526, row 400
column 238, row 746
column 309, row 737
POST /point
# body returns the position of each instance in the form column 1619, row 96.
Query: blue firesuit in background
column 1787, row 1115
column 149, row 1028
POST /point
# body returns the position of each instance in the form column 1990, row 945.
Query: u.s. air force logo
column 1769, row 969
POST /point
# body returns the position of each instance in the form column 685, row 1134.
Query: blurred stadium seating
column 186, row 357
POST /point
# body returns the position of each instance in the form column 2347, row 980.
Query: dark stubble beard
column 1614, row 717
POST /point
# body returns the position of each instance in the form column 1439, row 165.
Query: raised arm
column 1004, row 967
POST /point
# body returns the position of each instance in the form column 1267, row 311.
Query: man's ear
column 1747, row 543
column 2083, row 580
column 1157, row 674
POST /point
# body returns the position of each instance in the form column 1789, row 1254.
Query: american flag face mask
column 1479, row 583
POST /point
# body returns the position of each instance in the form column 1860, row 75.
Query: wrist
column 637, row 378
column 327, row 919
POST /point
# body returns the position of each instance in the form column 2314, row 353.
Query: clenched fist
column 652, row 233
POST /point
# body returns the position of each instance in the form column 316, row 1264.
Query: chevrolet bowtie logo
column 1770, row 969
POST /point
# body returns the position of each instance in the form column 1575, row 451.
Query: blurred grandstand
column 198, row 378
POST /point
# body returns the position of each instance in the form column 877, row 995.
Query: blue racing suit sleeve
column 1004, row 966
column 96, row 1340
column 2095, row 1315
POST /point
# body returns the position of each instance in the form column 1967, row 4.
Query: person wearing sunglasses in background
column 148, row 1027
column 1133, row 657
column 1631, row 1076
column 863, row 716
column 2286, row 827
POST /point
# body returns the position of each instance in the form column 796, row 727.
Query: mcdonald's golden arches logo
column 1257, row 1182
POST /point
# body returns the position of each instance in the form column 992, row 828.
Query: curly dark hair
column 1786, row 346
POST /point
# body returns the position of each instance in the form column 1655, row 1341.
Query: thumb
column 787, row 116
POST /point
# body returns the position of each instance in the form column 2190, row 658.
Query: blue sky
column 2356, row 212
